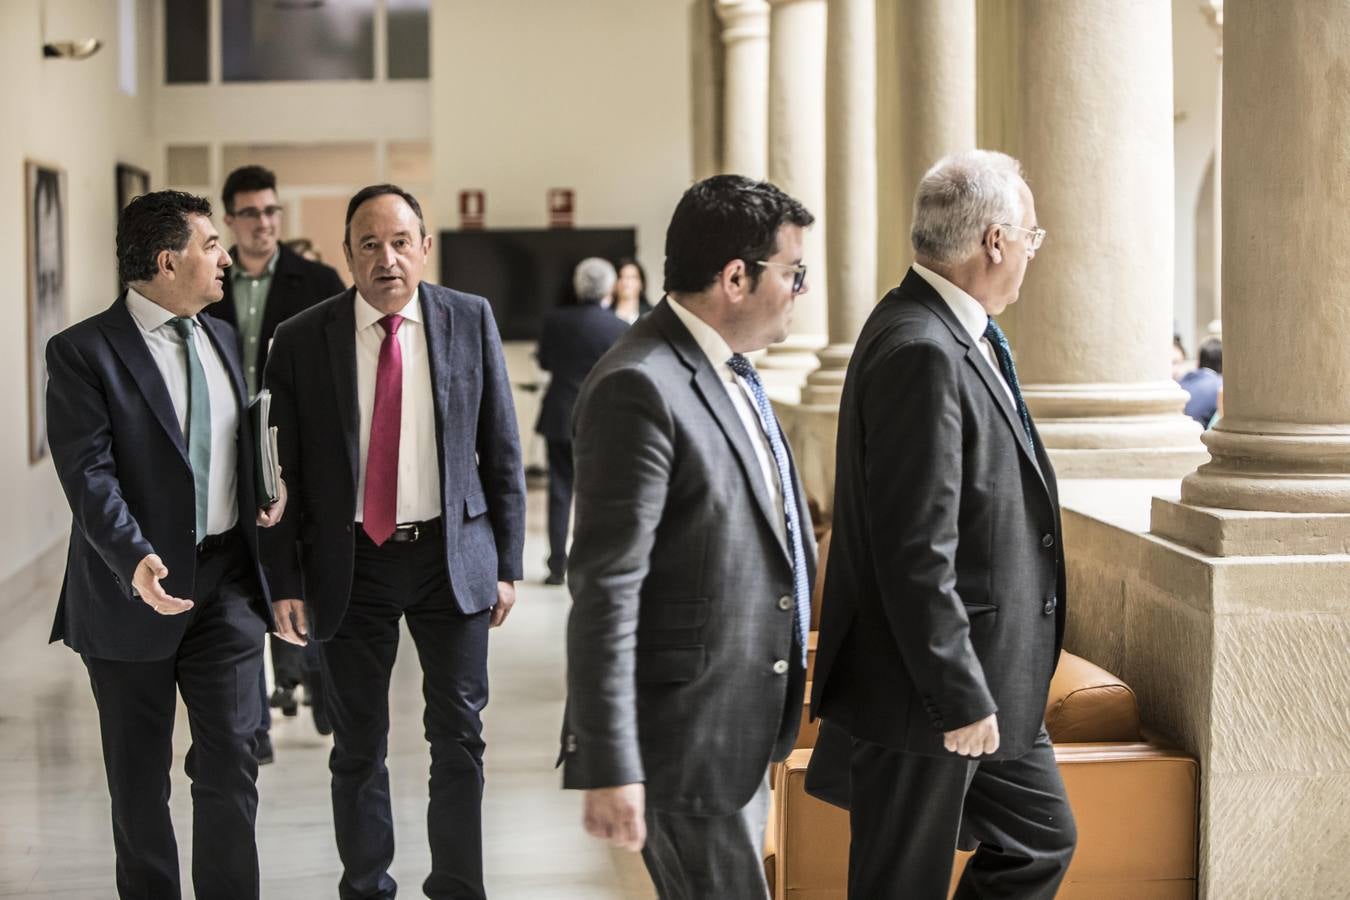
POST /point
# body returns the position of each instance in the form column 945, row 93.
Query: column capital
column 743, row 20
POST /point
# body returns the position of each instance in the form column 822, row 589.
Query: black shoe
column 554, row 578
column 262, row 749
column 314, row 697
column 284, row 700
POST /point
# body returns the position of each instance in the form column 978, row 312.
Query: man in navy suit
column 574, row 338
column 163, row 589
column 398, row 436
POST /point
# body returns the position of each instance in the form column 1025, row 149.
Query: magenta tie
column 381, row 500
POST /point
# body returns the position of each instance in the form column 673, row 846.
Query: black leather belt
column 213, row 542
column 410, row 533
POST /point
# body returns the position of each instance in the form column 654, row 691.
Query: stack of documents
column 269, row 466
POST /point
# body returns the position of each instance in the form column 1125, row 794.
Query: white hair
column 961, row 196
column 593, row 279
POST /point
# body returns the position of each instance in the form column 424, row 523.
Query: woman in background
column 629, row 300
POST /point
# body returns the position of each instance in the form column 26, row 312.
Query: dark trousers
column 909, row 812
column 406, row 580
column 216, row 670
column 559, row 503
column 707, row 857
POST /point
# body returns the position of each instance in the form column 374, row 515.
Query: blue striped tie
column 1005, row 362
column 741, row 366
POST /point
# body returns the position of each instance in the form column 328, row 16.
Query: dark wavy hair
column 152, row 223
column 722, row 218
column 246, row 178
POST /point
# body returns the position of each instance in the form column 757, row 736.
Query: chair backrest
column 1086, row 704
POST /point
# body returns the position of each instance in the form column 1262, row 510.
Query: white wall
column 73, row 115
column 587, row 94
column 1195, row 86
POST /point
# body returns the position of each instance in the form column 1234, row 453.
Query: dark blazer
column 122, row 461
column 312, row 376
column 297, row 284
column 944, row 596
column 677, row 581
column 573, row 340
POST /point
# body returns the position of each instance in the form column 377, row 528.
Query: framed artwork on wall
column 45, row 214
column 131, row 183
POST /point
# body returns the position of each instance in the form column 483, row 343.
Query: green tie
column 199, row 422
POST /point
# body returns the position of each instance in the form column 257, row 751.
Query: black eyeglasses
column 252, row 212
column 798, row 273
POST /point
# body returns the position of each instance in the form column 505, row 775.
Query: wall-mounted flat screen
column 525, row 272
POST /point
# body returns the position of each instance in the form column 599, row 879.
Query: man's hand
column 617, row 815
column 976, row 739
column 271, row 515
column 506, row 598
column 146, row 579
column 291, row 625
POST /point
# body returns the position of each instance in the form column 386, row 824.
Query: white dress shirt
column 972, row 317
column 419, row 465
column 715, row 347
column 170, row 355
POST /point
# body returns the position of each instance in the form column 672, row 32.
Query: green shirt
column 250, row 302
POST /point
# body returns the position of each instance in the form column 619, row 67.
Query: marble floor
column 55, row 837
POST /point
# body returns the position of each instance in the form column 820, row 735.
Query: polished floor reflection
column 55, row 838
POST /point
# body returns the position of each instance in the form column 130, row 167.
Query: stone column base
column 785, row 367
column 811, row 431
column 1240, row 659
column 1273, row 466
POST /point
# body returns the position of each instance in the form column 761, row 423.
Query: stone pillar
column 1095, row 315
column 705, row 89
column 797, row 165
column 936, row 49
column 851, row 208
column 745, row 109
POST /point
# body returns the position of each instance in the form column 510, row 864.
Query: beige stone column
column 1283, row 443
column 745, row 117
column 797, row 165
column 1094, row 323
column 705, row 88
column 851, row 208
column 936, row 50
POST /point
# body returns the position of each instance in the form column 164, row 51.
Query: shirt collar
column 147, row 313
column 966, row 308
column 237, row 271
column 713, row 345
column 368, row 316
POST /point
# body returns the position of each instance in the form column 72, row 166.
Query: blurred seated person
column 629, row 299
column 573, row 340
column 1181, row 364
column 304, row 248
column 1204, row 383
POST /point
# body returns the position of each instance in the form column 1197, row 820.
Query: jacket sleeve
column 624, row 451
column 913, row 426
column 499, row 457
column 79, row 432
column 279, row 544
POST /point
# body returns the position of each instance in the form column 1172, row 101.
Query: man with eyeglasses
column 943, row 606
column 693, row 556
column 265, row 286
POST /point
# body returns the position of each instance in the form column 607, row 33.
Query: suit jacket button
column 1048, row 541
column 780, row 667
column 785, row 602
column 571, row 743
column 1049, row 606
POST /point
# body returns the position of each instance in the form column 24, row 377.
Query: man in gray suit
column 943, row 604
column 693, row 556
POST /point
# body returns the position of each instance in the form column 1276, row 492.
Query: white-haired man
column 573, row 339
column 944, row 595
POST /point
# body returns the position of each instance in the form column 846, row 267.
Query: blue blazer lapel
column 714, row 395
column 340, row 333
column 125, row 338
column 440, row 337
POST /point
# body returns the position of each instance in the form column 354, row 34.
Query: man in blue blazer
column 151, row 440
column 398, row 437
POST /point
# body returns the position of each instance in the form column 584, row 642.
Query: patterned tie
column 381, row 497
column 995, row 336
column 199, row 422
column 741, row 366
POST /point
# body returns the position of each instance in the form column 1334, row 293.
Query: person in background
column 304, row 248
column 629, row 299
column 573, row 340
column 267, row 284
column 1181, row 364
column 1205, row 383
